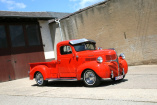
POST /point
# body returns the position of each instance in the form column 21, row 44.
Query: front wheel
column 91, row 79
column 40, row 80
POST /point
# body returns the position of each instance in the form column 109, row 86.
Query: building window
column 17, row 35
column 33, row 35
column 3, row 39
column 65, row 50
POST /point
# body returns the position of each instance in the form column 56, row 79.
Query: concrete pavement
column 139, row 87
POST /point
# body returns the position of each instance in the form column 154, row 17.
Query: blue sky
column 45, row 5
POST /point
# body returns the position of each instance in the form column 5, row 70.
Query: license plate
column 119, row 77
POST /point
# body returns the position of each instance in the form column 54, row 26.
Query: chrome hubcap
column 39, row 78
column 90, row 77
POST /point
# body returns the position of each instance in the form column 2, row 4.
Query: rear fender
column 44, row 70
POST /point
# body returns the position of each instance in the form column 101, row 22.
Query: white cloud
column 85, row 3
column 12, row 4
column 79, row 4
column 73, row 0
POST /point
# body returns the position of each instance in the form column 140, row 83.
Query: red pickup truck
column 80, row 60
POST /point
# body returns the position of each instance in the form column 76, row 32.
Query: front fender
column 124, row 65
column 42, row 69
column 101, row 69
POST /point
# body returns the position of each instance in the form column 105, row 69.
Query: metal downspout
column 58, row 21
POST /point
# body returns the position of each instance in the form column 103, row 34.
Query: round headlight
column 100, row 59
column 122, row 55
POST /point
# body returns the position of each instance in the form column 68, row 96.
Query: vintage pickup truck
column 80, row 60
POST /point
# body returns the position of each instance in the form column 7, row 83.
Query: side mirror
column 122, row 55
column 99, row 48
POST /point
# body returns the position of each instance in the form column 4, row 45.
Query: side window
column 3, row 39
column 90, row 46
column 17, row 35
column 65, row 50
column 33, row 35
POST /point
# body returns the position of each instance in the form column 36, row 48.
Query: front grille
column 111, row 57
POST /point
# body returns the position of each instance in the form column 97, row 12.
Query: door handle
column 59, row 61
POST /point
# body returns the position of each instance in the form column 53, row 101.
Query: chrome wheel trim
column 39, row 79
column 89, row 77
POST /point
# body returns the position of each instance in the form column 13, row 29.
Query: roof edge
column 86, row 8
column 18, row 14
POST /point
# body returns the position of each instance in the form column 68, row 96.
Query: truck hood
column 96, row 53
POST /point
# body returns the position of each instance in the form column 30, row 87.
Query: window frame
column 23, row 24
column 39, row 35
column 24, row 49
column 66, row 48
column 12, row 45
column 85, row 43
column 6, row 36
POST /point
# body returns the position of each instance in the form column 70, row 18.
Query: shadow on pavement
column 110, row 82
column 80, row 83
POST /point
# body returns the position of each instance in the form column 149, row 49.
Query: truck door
column 66, row 62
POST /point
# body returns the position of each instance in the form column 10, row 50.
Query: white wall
column 47, row 40
column 56, row 36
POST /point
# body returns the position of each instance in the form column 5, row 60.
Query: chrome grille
column 113, row 57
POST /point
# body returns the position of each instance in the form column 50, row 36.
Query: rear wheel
column 91, row 79
column 40, row 80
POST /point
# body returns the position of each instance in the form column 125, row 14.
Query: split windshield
column 85, row 46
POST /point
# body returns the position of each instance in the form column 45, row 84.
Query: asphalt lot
column 138, row 88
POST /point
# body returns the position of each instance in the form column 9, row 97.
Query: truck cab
column 80, row 60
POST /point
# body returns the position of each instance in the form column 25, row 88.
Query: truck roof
column 77, row 41
column 73, row 42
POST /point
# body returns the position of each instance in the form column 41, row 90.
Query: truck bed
column 51, row 64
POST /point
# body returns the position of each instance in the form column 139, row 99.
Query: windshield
column 84, row 46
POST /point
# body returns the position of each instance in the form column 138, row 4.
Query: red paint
column 74, row 64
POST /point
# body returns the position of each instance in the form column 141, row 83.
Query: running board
column 62, row 79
